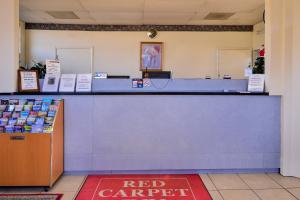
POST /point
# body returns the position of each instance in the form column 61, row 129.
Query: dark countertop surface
column 145, row 93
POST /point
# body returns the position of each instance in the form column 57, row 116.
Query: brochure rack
column 33, row 159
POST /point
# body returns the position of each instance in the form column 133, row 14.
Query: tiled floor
column 252, row 187
column 67, row 185
column 220, row 186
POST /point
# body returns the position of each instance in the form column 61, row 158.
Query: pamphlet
column 84, row 83
column 67, row 83
column 28, row 116
column 52, row 67
column 51, row 83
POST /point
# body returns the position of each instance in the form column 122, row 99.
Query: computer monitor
column 157, row 75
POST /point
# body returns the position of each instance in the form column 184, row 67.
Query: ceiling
column 138, row 12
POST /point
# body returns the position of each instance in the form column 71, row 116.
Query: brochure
column 11, row 108
column 29, row 116
column 13, row 102
column 16, row 114
column 39, row 121
column 67, row 83
column 19, row 129
column 19, row 108
column 52, row 67
column 4, row 102
column 24, row 114
column 2, row 107
column 9, row 129
column 12, row 121
column 30, row 120
column 84, row 83
column 51, row 113
column 21, row 121
column 37, row 128
column 51, row 83
column 3, row 121
column 36, row 108
column 7, row 114
column 27, row 107
column 27, row 129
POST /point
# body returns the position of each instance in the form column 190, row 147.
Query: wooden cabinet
column 33, row 159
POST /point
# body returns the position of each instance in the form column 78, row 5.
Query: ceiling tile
column 167, row 18
column 173, row 5
column 214, row 22
column 232, row 5
column 116, row 15
column 113, row 5
column 51, row 5
column 34, row 16
column 120, row 22
column 73, row 21
column 83, row 14
column 155, row 11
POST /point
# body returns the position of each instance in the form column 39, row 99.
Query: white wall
column 9, row 44
column 283, row 45
column 22, row 44
column 258, row 35
column 186, row 54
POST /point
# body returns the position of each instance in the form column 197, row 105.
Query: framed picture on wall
column 151, row 56
column 28, row 81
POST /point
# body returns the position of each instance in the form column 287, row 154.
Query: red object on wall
column 262, row 51
column 144, row 187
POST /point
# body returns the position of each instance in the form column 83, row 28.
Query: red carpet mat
column 144, row 187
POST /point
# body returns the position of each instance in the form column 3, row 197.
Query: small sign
column 51, row 83
column 248, row 71
column 84, row 83
column 67, row 83
column 53, row 67
column 147, row 82
column 100, row 75
column 137, row 83
column 28, row 81
column 256, row 83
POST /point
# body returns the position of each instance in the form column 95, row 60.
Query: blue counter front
column 113, row 133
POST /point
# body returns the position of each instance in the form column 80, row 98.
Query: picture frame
column 28, row 81
column 151, row 56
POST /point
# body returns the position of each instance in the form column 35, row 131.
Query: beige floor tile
column 238, row 195
column 275, row 194
column 69, row 195
column 228, row 181
column 286, row 182
column 20, row 190
column 259, row 181
column 68, row 184
column 207, row 182
column 215, row 195
column 295, row 192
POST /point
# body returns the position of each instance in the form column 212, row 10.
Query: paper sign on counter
column 53, row 67
column 84, row 83
column 256, row 83
column 51, row 83
column 67, row 83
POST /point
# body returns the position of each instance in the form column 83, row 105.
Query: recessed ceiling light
column 218, row 16
column 63, row 14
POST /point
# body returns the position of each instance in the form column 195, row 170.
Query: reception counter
column 199, row 131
